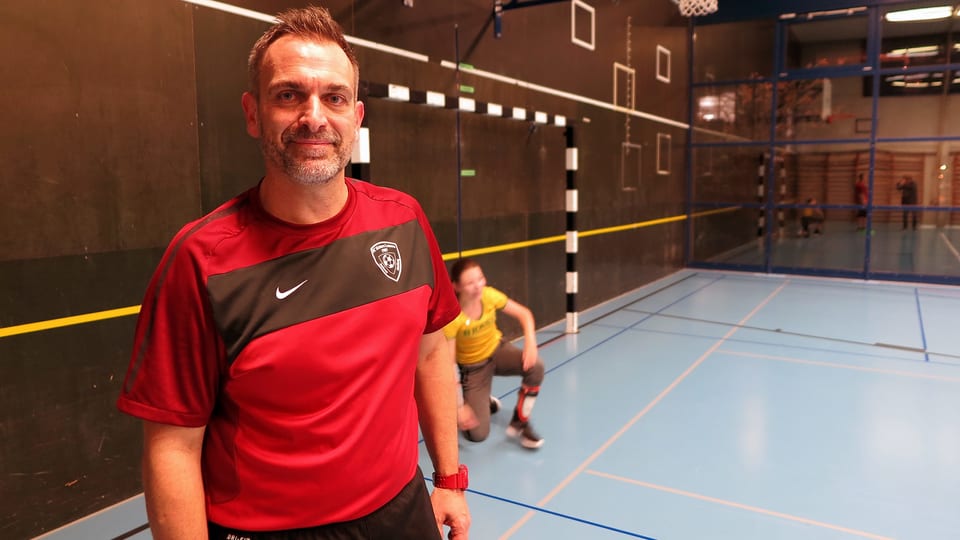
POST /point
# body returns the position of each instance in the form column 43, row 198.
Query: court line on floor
column 853, row 284
column 822, row 363
column 126, row 503
column 737, row 505
column 793, row 346
column 621, row 331
column 950, row 246
column 783, row 332
column 626, row 427
column 611, row 312
column 923, row 334
column 557, row 514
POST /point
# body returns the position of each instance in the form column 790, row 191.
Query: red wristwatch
column 452, row 481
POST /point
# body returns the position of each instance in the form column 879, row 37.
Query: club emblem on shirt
column 387, row 257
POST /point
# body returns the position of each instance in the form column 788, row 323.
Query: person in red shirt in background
column 861, row 197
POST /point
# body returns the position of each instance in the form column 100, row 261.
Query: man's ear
column 359, row 111
column 251, row 114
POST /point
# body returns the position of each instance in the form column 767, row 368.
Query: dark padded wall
column 100, row 161
column 229, row 160
column 124, row 123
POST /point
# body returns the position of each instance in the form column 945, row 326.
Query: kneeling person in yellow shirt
column 482, row 352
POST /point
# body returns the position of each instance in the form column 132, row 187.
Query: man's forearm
column 436, row 395
column 173, row 488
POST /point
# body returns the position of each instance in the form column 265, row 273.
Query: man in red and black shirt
column 290, row 342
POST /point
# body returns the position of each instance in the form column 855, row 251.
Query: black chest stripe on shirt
column 251, row 302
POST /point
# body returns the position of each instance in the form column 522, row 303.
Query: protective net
column 696, row 8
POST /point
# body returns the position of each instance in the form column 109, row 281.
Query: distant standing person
column 908, row 196
column 860, row 195
column 482, row 352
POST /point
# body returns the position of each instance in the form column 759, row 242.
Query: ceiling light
column 925, row 50
column 920, row 14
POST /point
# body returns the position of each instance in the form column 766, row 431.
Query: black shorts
column 408, row 516
column 862, row 212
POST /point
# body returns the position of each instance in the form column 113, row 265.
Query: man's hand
column 450, row 509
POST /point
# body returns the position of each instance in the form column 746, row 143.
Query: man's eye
column 287, row 95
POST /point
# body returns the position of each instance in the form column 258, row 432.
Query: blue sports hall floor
column 712, row 405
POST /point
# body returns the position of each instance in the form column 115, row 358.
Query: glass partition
column 727, row 235
column 733, row 112
column 918, row 116
column 733, row 51
column 823, row 42
column 826, row 108
column 778, row 189
column 908, row 43
column 727, row 174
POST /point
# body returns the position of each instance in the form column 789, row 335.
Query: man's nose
column 314, row 115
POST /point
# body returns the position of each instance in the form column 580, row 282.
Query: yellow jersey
column 477, row 339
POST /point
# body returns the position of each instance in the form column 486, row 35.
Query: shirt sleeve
column 495, row 298
column 444, row 306
column 177, row 356
column 451, row 330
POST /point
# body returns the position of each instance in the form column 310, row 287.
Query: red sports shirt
column 296, row 346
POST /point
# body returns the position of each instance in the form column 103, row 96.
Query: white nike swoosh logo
column 283, row 294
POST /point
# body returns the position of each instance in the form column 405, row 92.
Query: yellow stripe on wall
column 68, row 321
column 133, row 310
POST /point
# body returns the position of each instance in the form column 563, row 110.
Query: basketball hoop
column 696, row 8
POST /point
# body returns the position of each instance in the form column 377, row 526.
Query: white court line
column 583, row 466
column 841, row 366
column 950, row 246
column 136, row 499
column 732, row 504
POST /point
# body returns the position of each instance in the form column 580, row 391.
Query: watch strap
column 452, row 481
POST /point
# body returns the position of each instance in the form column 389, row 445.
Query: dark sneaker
column 525, row 433
column 494, row 405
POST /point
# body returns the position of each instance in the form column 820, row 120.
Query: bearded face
column 307, row 158
column 305, row 115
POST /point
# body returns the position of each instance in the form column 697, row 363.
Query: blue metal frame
column 778, row 39
column 687, row 225
column 873, row 58
column 742, row 10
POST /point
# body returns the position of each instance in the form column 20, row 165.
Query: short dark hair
column 461, row 266
column 314, row 23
